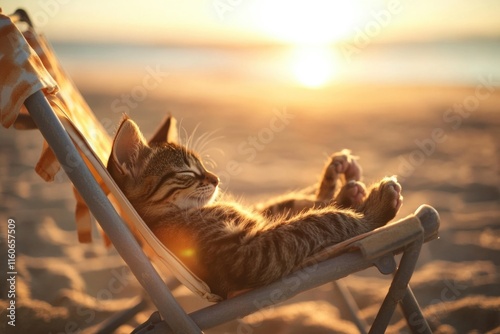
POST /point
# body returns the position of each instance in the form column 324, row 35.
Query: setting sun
column 313, row 66
column 311, row 27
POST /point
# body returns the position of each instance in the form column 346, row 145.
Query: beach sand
column 274, row 141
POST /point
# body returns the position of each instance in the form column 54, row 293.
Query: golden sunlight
column 307, row 22
column 311, row 27
column 314, row 66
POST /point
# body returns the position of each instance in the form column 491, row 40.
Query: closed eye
column 186, row 173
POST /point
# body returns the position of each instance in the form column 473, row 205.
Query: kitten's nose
column 211, row 178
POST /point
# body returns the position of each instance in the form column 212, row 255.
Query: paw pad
column 344, row 162
column 351, row 195
column 391, row 190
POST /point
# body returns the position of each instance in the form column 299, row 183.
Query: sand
column 274, row 141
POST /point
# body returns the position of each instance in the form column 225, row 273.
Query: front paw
column 383, row 202
column 341, row 169
column 344, row 162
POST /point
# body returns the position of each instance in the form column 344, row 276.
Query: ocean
column 456, row 63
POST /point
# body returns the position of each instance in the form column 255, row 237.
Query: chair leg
column 351, row 305
column 112, row 323
column 154, row 325
column 413, row 314
column 398, row 288
column 122, row 317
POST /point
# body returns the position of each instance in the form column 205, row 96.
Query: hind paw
column 384, row 201
column 351, row 195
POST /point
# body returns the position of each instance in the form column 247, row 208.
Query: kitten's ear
column 127, row 145
column 166, row 132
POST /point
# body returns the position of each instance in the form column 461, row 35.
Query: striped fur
column 231, row 247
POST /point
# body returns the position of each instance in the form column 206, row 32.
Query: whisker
column 184, row 139
column 221, row 193
column 207, row 158
column 201, row 144
column 189, row 143
column 209, row 162
column 201, row 147
column 179, row 132
column 204, row 149
column 205, row 140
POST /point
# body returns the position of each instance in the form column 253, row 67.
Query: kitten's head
column 159, row 175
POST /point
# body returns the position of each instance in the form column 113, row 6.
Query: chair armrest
column 429, row 218
column 406, row 230
column 390, row 237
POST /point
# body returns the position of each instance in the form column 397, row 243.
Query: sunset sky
column 260, row 21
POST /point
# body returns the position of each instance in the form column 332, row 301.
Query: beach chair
column 35, row 92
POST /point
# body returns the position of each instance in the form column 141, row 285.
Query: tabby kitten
column 228, row 246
